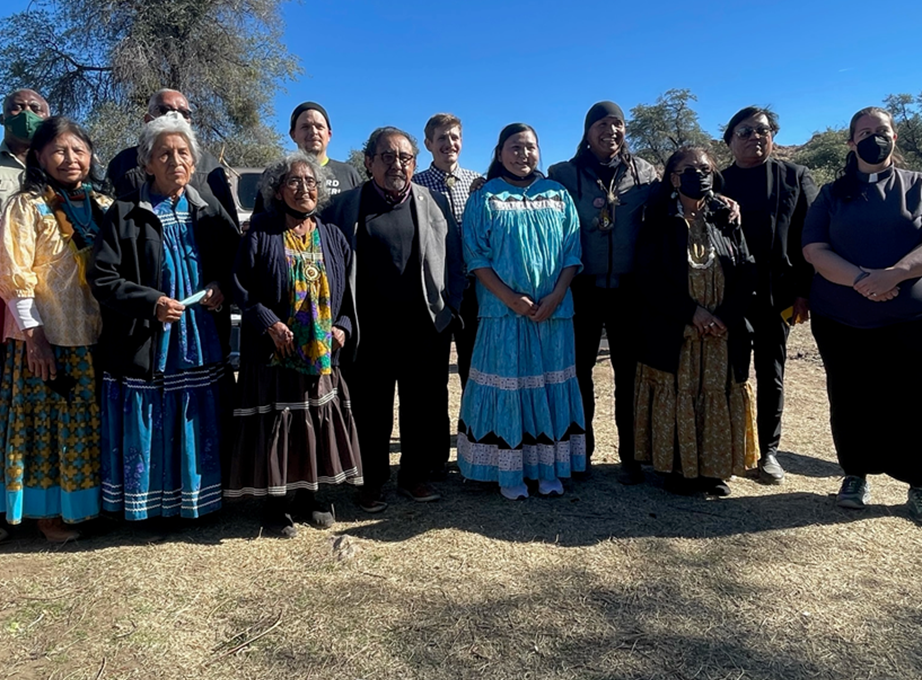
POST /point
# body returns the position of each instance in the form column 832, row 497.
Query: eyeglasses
column 295, row 183
column 163, row 110
column 746, row 131
column 389, row 158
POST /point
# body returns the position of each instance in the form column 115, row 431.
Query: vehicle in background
column 244, row 183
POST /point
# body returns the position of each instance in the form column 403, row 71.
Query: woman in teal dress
column 521, row 413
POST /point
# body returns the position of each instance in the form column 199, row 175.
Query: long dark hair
column 36, row 180
column 847, row 186
column 496, row 165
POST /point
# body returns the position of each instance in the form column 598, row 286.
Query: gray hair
column 169, row 124
column 371, row 146
column 271, row 181
column 157, row 98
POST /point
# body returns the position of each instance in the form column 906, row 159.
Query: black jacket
column 126, row 272
column 662, row 284
column 790, row 191
column 262, row 283
column 209, row 178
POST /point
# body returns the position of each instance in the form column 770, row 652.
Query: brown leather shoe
column 56, row 531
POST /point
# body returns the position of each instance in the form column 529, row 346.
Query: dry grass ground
column 606, row 582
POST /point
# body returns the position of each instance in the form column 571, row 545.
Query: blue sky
column 546, row 63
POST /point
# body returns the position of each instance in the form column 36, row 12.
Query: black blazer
column 791, row 190
column 662, row 285
column 126, row 270
column 262, row 283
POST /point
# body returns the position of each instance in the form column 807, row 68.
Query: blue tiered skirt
column 521, row 413
column 161, row 444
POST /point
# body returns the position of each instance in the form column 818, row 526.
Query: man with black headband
column 408, row 280
column 23, row 112
column 310, row 129
column 209, row 178
column 773, row 196
column 610, row 188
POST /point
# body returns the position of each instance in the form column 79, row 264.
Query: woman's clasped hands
column 879, row 285
column 708, row 324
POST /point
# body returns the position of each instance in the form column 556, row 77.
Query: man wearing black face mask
column 774, row 197
column 23, row 112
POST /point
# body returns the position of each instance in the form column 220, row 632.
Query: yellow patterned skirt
column 698, row 422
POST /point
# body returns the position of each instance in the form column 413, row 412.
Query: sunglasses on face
column 163, row 110
column 747, row 131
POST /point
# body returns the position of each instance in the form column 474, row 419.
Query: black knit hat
column 599, row 111
column 306, row 106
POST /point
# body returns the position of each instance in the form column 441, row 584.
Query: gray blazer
column 441, row 262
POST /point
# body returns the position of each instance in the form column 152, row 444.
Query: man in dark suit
column 209, row 179
column 408, row 279
column 773, row 196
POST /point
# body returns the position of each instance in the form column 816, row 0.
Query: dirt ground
column 606, row 582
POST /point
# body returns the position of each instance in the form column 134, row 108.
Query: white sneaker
column 550, row 487
column 514, row 493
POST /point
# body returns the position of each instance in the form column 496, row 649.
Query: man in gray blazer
column 408, row 278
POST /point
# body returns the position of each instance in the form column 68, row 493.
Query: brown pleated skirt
column 292, row 431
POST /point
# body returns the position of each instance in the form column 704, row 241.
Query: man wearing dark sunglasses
column 209, row 179
column 773, row 196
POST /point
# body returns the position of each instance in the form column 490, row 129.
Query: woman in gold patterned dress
column 693, row 402
column 49, row 416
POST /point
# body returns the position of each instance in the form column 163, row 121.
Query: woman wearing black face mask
column 693, row 406
column 864, row 237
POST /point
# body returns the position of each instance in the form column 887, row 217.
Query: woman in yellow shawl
column 49, row 417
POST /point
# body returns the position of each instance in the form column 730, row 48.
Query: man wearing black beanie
column 310, row 129
column 610, row 188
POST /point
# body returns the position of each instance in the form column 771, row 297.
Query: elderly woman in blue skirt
column 49, row 418
column 521, row 412
column 162, row 264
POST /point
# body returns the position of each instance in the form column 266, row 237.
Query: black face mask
column 297, row 214
column 874, row 149
column 696, row 184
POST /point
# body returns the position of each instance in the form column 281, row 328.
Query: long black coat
column 662, row 284
column 126, row 271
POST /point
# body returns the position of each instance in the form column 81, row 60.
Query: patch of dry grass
column 606, row 582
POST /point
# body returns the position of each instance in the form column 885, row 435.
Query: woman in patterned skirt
column 294, row 427
column 521, row 412
column 693, row 406
column 49, row 417
column 162, row 263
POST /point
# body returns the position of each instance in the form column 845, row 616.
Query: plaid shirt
column 454, row 186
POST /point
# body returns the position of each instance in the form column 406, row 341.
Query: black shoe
column 630, row 474
column 715, row 487
column 371, row 500
column 770, row 470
